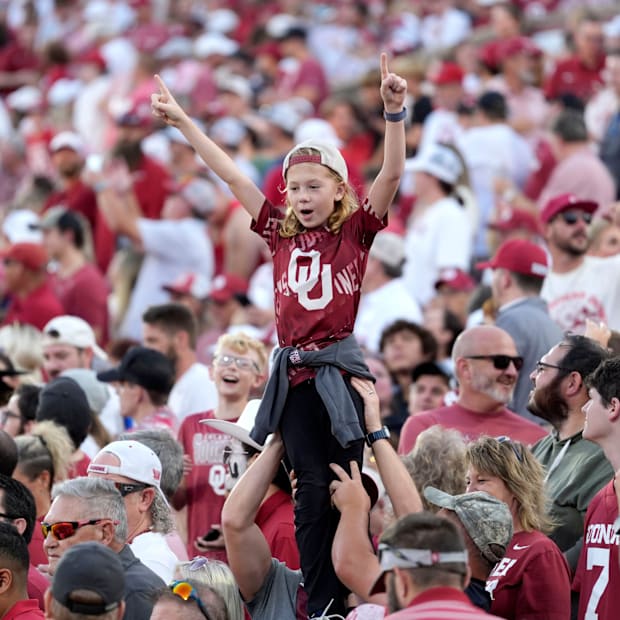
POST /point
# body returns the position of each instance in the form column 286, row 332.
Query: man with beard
column 486, row 366
column 578, row 287
column 171, row 329
column 576, row 468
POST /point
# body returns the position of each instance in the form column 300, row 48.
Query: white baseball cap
column 242, row 427
column 327, row 155
column 67, row 140
column 439, row 161
column 136, row 462
column 389, row 248
column 74, row 331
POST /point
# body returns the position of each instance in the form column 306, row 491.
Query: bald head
column 483, row 340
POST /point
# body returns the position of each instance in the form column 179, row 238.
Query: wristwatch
column 383, row 433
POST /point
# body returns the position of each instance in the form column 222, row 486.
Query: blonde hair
column 24, row 346
column 48, row 447
column 343, row 208
column 241, row 343
column 218, row 576
column 439, row 459
column 515, row 465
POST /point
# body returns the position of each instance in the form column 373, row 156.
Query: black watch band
column 383, row 433
column 395, row 117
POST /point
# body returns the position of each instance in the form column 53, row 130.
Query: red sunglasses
column 66, row 529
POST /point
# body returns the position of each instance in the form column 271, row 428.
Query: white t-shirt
column 440, row 126
column 592, row 291
column 446, row 30
column 193, row 392
column 171, row 248
column 152, row 549
column 381, row 308
column 440, row 238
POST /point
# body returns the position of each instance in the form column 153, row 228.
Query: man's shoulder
column 140, row 576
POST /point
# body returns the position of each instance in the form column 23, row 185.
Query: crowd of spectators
column 137, row 309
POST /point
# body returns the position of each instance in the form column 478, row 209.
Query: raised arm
column 165, row 106
column 248, row 553
column 398, row 483
column 383, row 189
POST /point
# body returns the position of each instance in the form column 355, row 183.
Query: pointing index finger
column 163, row 89
column 384, row 66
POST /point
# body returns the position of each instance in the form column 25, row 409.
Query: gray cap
column 485, row 518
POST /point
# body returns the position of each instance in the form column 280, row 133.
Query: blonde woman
column 532, row 580
column 43, row 458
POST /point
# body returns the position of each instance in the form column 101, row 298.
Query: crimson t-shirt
column 598, row 574
column 532, row 580
column 37, row 308
column 205, row 483
column 471, row 424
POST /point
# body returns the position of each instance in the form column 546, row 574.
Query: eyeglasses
column 517, row 449
column 186, row 591
column 125, row 488
column 540, row 366
column 572, row 217
column 198, row 562
column 66, row 529
column 500, row 362
column 242, row 363
column 5, row 414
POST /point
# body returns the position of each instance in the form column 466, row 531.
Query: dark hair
column 13, row 550
column 28, row 400
column 173, row 318
column 157, row 397
column 606, row 379
column 116, row 349
column 18, row 503
column 583, row 355
column 427, row 340
column 71, row 221
column 528, row 283
column 8, row 454
column 432, row 369
column 424, row 530
column 493, row 105
column 570, row 126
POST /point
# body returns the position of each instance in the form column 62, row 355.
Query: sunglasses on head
column 125, row 488
column 516, row 448
column 500, row 362
column 66, row 529
column 572, row 217
column 186, row 591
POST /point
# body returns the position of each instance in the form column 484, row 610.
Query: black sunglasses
column 572, row 217
column 124, row 488
column 500, row 362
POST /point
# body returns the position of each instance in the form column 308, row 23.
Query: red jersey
column 78, row 197
column 532, row 580
column 471, row 424
column 317, row 276
column 571, row 76
column 276, row 520
column 597, row 575
column 36, row 308
column 206, row 490
column 37, row 585
column 24, row 610
column 85, row 294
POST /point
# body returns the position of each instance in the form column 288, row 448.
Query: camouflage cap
column 486, row 519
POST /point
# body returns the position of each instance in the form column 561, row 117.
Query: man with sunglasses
column 486, row 366
column 579, row 286
column 136, row 472
column 518, row 269
column 92, row 509
column 238, row 368
column 576, row 468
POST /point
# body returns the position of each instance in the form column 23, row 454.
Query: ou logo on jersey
column 302, row 279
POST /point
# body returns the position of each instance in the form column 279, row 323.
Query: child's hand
column 393, row 88
column 165, row 106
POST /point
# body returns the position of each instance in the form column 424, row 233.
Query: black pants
column 310, row 448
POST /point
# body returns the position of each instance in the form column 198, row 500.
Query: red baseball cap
column 520, row 256
column 514, row 219
column 456, row 279
column 227, row 286
column 449, row 73
column 564, row 202
column 31, row 255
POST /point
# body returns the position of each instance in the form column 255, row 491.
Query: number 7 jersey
column 598, row 574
